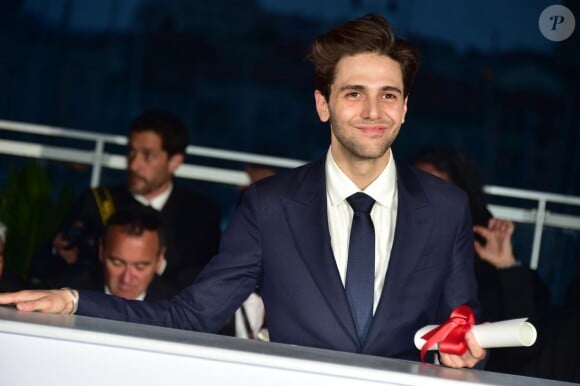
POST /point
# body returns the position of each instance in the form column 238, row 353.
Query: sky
column 489, row 26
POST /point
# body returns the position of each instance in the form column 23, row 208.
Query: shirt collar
column 157, row 202
column 339, row 186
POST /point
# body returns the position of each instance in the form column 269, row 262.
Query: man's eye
column 389, row 96
column 353, row 94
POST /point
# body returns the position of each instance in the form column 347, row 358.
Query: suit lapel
column 306, row 214
column 413, row 225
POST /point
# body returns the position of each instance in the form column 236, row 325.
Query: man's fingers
column 481, row 231
column 478, row 248
column 28, row 306
column 475, row 350
column 36, row 300
column 15, row 297
column 45, row 304
column 6, row 298
column 450, row 360
column 472, row 356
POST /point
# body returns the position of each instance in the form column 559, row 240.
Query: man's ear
column 321, row 106
column 175, row 161
column 405, row 109
column 160, row 261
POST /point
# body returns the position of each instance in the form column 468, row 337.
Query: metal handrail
column 100, row 158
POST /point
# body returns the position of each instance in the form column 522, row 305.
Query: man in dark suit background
column 156, row 148
column 290, row 234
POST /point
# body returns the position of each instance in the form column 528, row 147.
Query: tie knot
column 360, row 202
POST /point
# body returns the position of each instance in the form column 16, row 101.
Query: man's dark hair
column 135, row 221
column 168, row 126
column 372, row 34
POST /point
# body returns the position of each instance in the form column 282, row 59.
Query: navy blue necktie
column 360, row 271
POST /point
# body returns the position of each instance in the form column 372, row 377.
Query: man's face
column 366, row 106
column 129, row 262
column 149, row 169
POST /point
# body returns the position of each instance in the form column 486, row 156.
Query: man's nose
column 134, row 162
column 371, row 109
column 126, row 276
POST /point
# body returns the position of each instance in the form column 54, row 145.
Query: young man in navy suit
column 290, row 234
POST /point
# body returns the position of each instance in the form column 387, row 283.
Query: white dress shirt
column 384, row 215
column 255, row 316
column 157, row 202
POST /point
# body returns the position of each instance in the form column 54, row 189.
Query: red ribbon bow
column 451, row 334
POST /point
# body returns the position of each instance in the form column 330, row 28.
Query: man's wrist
column 511, row 264
column 75, row 298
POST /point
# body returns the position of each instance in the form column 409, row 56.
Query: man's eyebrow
column 393, row 89
column 357, row 87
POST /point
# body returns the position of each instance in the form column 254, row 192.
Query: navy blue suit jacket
column 279, row 239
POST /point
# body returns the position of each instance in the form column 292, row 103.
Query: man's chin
column 137, row 189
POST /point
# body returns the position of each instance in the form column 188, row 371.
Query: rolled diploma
column 507, row 333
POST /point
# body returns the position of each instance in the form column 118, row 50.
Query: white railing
column 101, row 157
column 96, row 346
column 540, row 216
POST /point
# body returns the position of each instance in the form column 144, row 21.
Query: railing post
column 97, row 162
column 538, row 229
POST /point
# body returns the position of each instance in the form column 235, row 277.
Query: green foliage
column 31, row 213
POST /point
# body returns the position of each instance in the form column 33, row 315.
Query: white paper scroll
column 507, row 333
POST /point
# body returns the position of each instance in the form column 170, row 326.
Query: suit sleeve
column 461, row 285
column 212, row 298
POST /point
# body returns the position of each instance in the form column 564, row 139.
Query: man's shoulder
column 90, row 197
column 187, row 197
column 434, row 188
column 118, row 194
column 183, row 192
column 104, row 190
column 286, row 179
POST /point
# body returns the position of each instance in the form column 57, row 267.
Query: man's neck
column 158, row 192
column 158, row 200
column 361, row 171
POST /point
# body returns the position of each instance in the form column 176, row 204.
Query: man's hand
column 498, row 243
column 472, row 356
column 52, row 301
